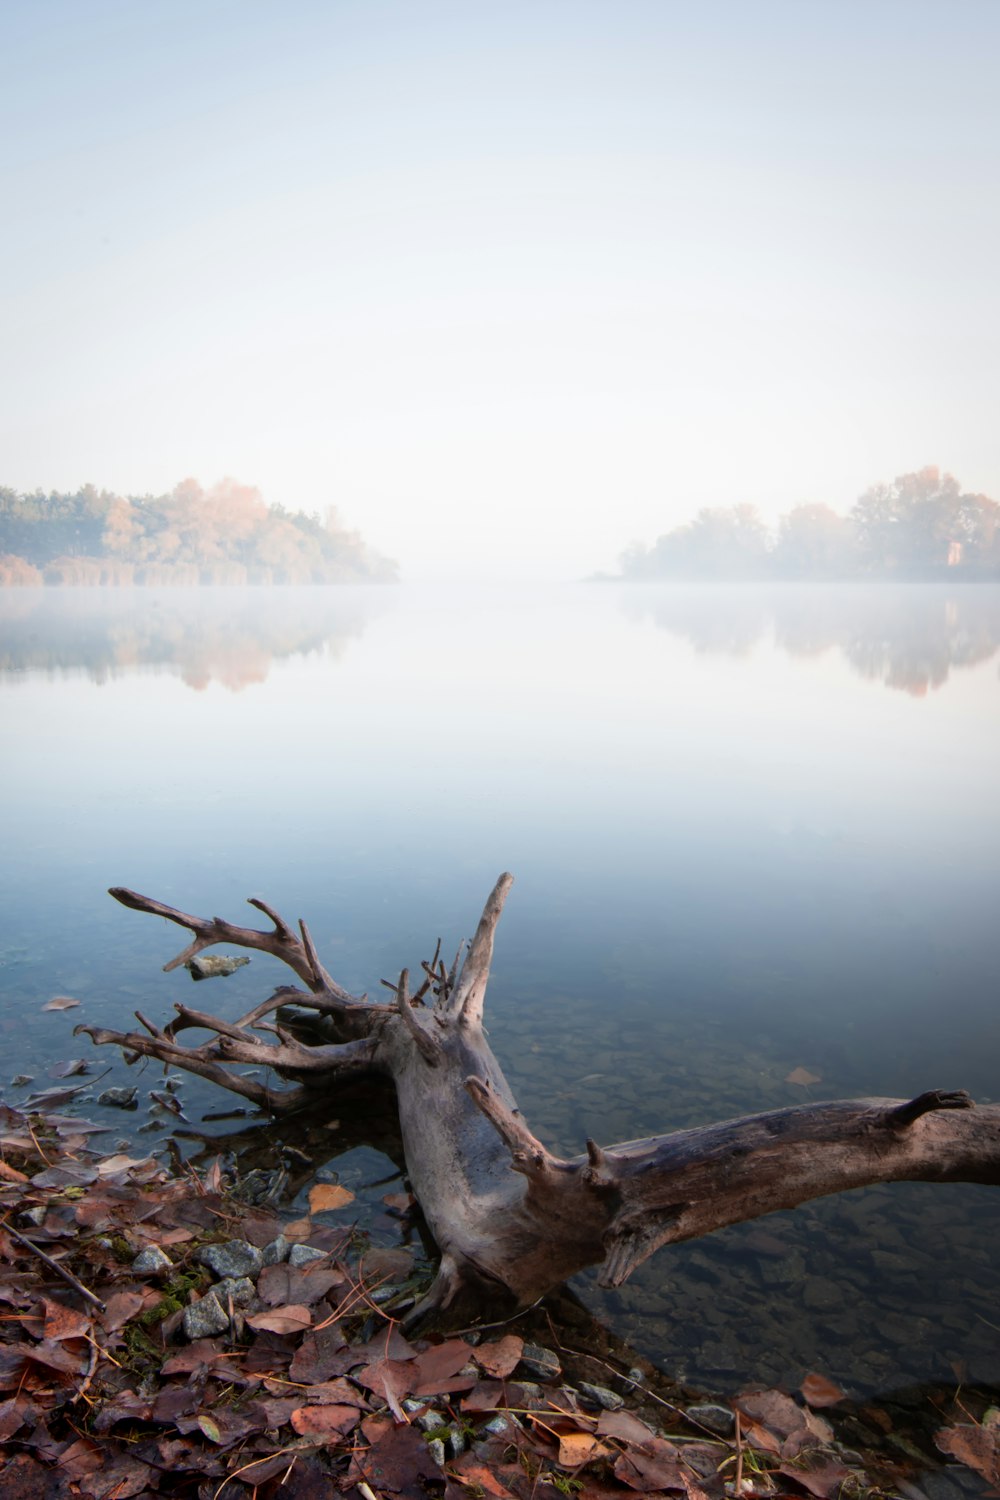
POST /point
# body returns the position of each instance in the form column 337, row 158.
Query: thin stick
column 738, row 1484
column 54, row 1265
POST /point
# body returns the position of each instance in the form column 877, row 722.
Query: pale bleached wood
column 507, row 1215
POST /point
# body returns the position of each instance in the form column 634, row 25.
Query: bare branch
column 464, row 1000
column 429, row 1049
column 297, row 953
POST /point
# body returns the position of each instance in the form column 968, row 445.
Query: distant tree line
column 920, row 526
column 225, row 535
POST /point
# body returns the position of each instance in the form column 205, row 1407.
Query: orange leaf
column 324, row 1421
column 803, row 1077
column 819, row 1391
column 60, row 1002
column 576, row 1448
column 327, row 1195
column 501, row 1358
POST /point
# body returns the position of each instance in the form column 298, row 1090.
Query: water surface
column 753, row 830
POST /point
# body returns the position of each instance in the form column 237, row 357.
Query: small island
column 222, row 535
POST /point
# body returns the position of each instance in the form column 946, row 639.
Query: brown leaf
column 64, row 1322
column 398, row 1461
column 976, row 1447
column 441, row 1360
column 488, row 1395
column 11, row 1174
column 322, row 1353
column 399, row 1203
column 328, row 1195
column 819, row 1391
column 803, row 1077
column 60, row 1002
column 324, row 1421
column 773, row 1410
column 644, row 1472
column 823, row 1479
column 283, row 1283
column 481, row 1480
column 501, row 1358
column 289, row 1319
column 119, row 1308
column 298, row 1230
column 119, row 1478
column 576, row 1448
column 625, row 1427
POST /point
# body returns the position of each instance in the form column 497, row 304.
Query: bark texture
column 508, row 1216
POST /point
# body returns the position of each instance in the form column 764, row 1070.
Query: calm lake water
column 753, row 831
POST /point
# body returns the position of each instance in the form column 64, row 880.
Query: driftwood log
column 507, row 1216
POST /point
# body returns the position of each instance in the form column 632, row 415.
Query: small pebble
column 152, row 1259
column 305, row 1255
column 540, row 1362
column 599, row 1395
column 276, row 1251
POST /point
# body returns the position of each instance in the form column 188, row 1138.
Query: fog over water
column 753, row 830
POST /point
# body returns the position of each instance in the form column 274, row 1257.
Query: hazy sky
column 510, row 282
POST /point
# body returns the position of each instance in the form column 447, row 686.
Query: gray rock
column 216, row 966
column 204, row 1319
column 305, row 1255
column 716, row 1418
column 437, row 1452
column 240, row 1288
column 455, row 1443
column 540, row 1362
column 152, row 1259
column 234, row 1258
column 20, row 1079
column 599, row 1395
column 499, row 1425
column 276, row 1251
column 34, row 1216
column 124, row 1098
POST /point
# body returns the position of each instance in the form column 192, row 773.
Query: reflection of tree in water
column 908, row 637
column 229, row 636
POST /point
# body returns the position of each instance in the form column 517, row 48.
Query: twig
column 738, row 1435
column 54, row 1265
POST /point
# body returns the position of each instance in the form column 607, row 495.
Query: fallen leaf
column 576, row 1448
column 441, row 1361
column 71, row 1068
column 625, row 1427
column 324, row 1421
column 297, row 1230
column 290, row 1319
column 479, row 1478
column 645, row 1472
column 210, row 1428
column 60, row 1002
column 803, row 1077
column 400, row 1204
column 327, row 1195
column 502, row 1358
column 773, row 1410
column 283, row 1284
column 823, row 1479
column 976, row 1447
column 819, row 1391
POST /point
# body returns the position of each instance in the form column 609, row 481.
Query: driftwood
column 507, row 1216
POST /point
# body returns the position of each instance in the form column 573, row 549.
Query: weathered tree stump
column 507, row 1216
